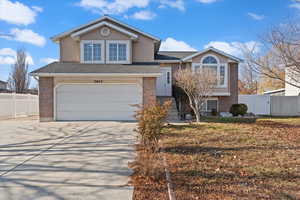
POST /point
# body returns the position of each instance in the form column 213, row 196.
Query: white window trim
column 82, row 42
column 206, row 106
column 128, row 49
column 219, row 64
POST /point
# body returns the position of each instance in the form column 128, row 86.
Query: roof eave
column 41, row 74
column 238, row 60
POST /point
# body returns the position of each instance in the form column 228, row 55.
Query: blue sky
column 181, row 24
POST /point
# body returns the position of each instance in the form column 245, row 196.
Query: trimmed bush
column 238, row 109
column 151, row 120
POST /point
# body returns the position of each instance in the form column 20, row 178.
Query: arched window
column 212, row 63
column 209, row 60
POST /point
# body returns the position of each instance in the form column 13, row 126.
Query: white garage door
column 97, row 101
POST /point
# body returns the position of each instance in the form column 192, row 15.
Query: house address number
column 98, row 81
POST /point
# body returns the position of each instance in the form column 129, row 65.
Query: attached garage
column 97, row 101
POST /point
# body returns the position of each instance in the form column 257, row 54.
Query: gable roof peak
column 214, row 50
column 97, row 21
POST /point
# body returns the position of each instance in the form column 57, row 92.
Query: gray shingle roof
column 71, row 67
column 173, row 55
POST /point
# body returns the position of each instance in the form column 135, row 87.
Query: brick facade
column 149, row 90
column 225, row 102
column 46, row 98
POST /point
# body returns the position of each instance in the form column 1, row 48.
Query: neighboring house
column 291, row 90
column 3, row 85
column 106, row 66
column 278, row 92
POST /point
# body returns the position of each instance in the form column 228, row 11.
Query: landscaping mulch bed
column 212, row 160
column 149, row 179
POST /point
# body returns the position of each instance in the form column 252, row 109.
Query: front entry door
column 164, row 82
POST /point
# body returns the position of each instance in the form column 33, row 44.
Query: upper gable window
column 117, row 51
column 210, row 60
column 212, row 64
column 92, row 51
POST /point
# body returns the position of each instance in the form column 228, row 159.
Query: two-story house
column 105, row 66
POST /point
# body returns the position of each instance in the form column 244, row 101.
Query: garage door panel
column 88, row 88
column 99, row 97
column 97, row 102
column 94, row 108
column 95, row 116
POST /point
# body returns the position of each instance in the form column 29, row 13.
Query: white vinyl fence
column 257, row 104
column 272, row 105
column 18, row 105
column 285, row 105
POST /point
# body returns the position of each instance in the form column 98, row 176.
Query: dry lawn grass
column 235, row 161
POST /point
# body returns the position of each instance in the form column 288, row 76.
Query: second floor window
column 92, row 51
column 212, row 64
column 118, row 51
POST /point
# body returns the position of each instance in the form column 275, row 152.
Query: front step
column 173, row 113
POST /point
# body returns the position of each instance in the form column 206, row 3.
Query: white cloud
column 295, row 5
column 235, row 48
column 113, row 7
column 17, row 13
column 6, row 60
column 48, row 60
column 256, row 16
column 8, row 57
column 7, row 52
column 179, row 4
column 37, row 8
column 26, row 35
column 144, row 15
column 207, row 1
column 170, row 44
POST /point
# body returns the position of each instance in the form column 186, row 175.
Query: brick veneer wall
column 226, row 102
column 149, row 90
column 46, row 98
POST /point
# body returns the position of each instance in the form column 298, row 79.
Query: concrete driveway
column 65, row 160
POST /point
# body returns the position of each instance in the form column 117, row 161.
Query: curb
column 169, row 181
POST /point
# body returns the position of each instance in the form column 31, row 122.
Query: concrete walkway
column 63, row 160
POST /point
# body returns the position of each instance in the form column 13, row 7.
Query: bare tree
column 248, row 83
column 198, row 86
column 280, row 53
column 19, row 79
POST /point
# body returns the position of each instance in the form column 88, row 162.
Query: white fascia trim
column 57, row 37
column 212, row 49
column 76, row 34
column 96, row 74
column 167, row 61
column 221, row 94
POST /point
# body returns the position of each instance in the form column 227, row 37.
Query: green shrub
column 243, row 109
column 151, row 120
column 238, row 109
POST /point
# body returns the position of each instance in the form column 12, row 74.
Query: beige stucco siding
column 69, row 50
column 142, row 48
column 95, row 35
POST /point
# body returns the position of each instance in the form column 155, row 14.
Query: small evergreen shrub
column 238, row 109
